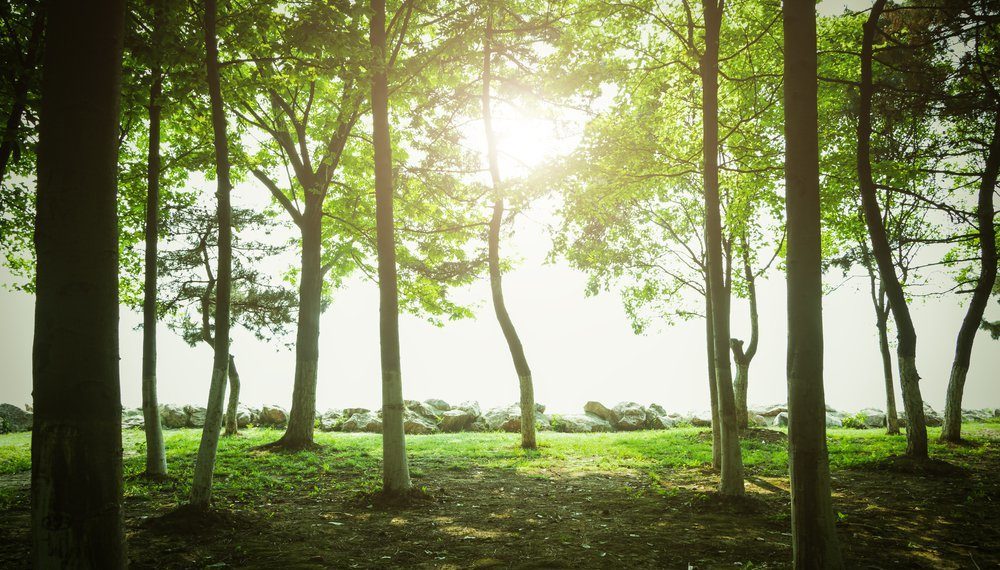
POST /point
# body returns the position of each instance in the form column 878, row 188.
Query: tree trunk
column 814, row 537
column 906, row 347
column 742, row 357
column 496, row 276
column 396, row 471
column 712, row 391
column 232, row 426
column 952, row 429
column 76, row 442
column 156, row 459
column 201, row 488
column 19, row 100
column 302, row 416
column 731, row 479
column 882, row 323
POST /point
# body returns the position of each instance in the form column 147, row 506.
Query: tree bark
column 712, row 391
column 19, row 100
column 742, row 357
column 731, row 478
column 396, row 471
column 201, row 488
column 814, row 537
column 527, row 390
column 906, row 347
column 76, row 443
column 232, row 425
column 156, row 459
column 882, row 325
column 952, row 428
column 302, row 416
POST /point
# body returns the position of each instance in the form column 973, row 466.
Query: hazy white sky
column 579, row 348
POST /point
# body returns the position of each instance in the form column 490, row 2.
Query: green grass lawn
column 625, row 500
column 355, row 458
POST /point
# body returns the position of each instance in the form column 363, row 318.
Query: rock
column 657, row 421
column 873, row 418
column 15, row 419
column 701, row 419
column 133, row 419
column 273, row 416
column 539, row 408
column 833, row 421
column 172, row 416
column 470, row 406
column 757, row 420
column 195, row 416
column 348, row 412
column 581, row 423
column 363, row 422
column 508, row 419
column 423, row 410
column 415, row 424
column 656, row 409
column 629, row 416
column 439, row 405
column 780, row 420
column 599, row 410
column 456, row 420
column 331, row 420
column 244, row 416
column 773, row 411
column 479, row 425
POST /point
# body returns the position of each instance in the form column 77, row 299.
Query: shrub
column 857, row 421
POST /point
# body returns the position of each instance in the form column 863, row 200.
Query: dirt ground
column 892, row 516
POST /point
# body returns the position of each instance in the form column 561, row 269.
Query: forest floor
column 617, row 500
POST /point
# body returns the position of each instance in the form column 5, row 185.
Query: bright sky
column 579, row 348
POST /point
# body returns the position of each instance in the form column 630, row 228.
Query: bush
column 857, row 421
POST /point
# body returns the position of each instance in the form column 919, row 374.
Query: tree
column 201, row 488
column 916, row 430
column 814, row 537
column 188, row 288
column 978, row 82
column 156, row 458
column 731, row 479
column 527, row 399
column 395, row 469
column 76, row 497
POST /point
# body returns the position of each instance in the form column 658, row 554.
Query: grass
column 631, row 500
column 242, row 473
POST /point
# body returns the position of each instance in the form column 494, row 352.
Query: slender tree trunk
column 906, row 347
column 156, row 459
column 232, row 426
column 396, row 471
column 882, row 325
column 814, row 537
column 742, row 357
column 731, row 479
column 302, row 416
column 985, row 212
column 201, row 488
column 496, row 276
column 19, row 100
column 712, row 391
column 76, row 442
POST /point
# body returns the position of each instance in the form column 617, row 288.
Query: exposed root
column 283, row 445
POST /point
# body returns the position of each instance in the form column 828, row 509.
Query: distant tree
column 188, row 289
column 201, row 488
column 814, row 537
column 76, row 445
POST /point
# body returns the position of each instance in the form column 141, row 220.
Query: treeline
column 722, row 138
